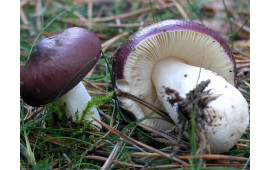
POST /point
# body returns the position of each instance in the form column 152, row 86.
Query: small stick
column 244, row 27
column 242, row 61
column 30, row 116
column 246, row 83
column 23, row 17
column 95, row 93
column 96, row 87
column 148, row 105
column 240, row 66
column 114, row 152
column 82, row 18
column 181, row 10
column 86, row 24
column 243, row 140
column 129, row 14
column 242, row 90
column 241, row 52
column 25, row 27
column 38, row 12
column 103, row 159
column 242, row 44
column 159, row 133
column 239, row 57
column 90, row 9
column 131, row 140
column 204, row 156
column 108, row 117
column 101, row 145
column 102, row 85
column 173, row 166
column 112, row 156
column 94, row 147
column 242, row 145
column 108, row 43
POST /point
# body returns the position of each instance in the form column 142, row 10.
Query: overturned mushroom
column 54, row 63
column 169, row 59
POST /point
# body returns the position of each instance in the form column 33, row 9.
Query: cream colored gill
column 192, row 47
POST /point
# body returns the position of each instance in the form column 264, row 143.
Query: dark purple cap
column 55, row 61
column 135, row 40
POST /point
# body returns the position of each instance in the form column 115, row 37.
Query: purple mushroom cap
column 166, row 26
column 55, row 61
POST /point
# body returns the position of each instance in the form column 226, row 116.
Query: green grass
column 50, row 139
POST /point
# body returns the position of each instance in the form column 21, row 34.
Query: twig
column 243, row 140
column 242, row 61
column 173, row 166
column 241, row 145
column 90, row 9
column 94, row 147
column 129, row 14
column 247, row 84
column 204, row 156
column 105, row 115
column 96, row 87
column 114, row 152
column 181, row 10
column 82, row 18
column 38, row 12
column 239, row 57
column 159, row 133
column 25, row 27
column 133, row 141
column 86, row 24
column 241, row 52
column 244, row 27
column 103, row 159
column 242, row 43
column 102, row 85
column 242, row 90
column 95, row 93
column 30, row 116
column 148, row 105
column 23, row 17
column 112, row 156
column 108, row 43
column 240, row 66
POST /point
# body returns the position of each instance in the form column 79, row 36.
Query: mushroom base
column 76, row 101
column 227, row 116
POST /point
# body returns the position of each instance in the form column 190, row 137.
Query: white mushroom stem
column 228, row 113
column 76, row 100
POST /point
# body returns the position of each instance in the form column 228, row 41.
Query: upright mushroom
column 56, row 61
column 168, row 59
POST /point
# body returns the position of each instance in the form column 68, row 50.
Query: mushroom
column 59, row 63
column 165, row 61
